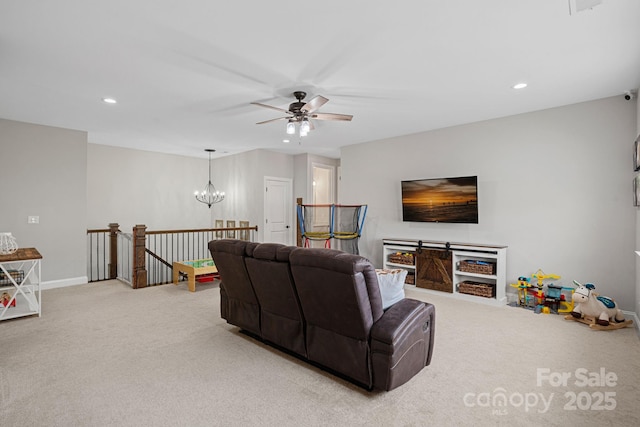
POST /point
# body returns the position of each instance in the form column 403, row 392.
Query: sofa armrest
column 402, row 342
column 398, row 319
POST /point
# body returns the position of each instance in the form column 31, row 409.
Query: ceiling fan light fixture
column 304, row 127
column 300, row 112
column 291, row 127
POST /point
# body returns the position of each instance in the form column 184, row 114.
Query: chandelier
column 209, row 195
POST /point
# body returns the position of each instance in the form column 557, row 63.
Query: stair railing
column 145, row 258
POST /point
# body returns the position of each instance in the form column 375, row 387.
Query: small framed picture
column 244, row 234
column 636, row 154
column 636, row 190
column 231, row 234
column 219, row 224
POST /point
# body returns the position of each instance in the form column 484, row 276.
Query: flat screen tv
column 441, row 200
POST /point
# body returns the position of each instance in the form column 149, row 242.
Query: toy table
column 192, row 269
column 20, row 274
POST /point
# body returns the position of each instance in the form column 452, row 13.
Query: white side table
column 20, row 276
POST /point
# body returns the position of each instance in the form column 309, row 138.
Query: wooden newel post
column 113, row 250
column 139, row 279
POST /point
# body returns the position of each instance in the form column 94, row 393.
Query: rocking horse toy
column 600, row 313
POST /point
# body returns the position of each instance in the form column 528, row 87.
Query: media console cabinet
column 473, row 272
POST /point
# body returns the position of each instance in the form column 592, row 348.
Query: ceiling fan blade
column 331, row 116
column 271, row 106
column 314, row 103
column 272, row 120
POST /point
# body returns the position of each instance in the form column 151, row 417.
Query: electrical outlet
column 33, row 219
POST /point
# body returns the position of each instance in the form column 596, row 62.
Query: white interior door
column 278, row 208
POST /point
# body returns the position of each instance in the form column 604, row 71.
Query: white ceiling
column 184, row 72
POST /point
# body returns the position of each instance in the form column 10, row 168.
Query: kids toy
column 542, row 305
column 523, row 287
column 533, row 296
column 5, row 300
column 540, row 276
column 556, row 299
column 597, row 311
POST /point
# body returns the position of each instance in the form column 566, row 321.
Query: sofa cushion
column 240, row 303
column 340, row 299
column 249, row 248
column 281, row 317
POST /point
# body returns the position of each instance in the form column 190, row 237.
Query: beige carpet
column 103, row 354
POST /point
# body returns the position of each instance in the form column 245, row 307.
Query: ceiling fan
column 302, row 112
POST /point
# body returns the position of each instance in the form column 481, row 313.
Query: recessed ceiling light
column 519, row 86
column 286, row 141
column 109, row 100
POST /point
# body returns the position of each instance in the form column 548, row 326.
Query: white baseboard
column 52, row 284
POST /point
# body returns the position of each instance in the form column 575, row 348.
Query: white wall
column 132, row 187
column 554, row 186
column 242, row 177
column 302, row 186
column 301, row 178
column 44, row 173
column 139, row 187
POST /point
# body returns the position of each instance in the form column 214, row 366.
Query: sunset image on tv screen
column 441, row 200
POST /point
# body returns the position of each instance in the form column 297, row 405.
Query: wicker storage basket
column 410, row 279
column 18, row 276
column 476, row 288
column 479, row 267
column 401, row 258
